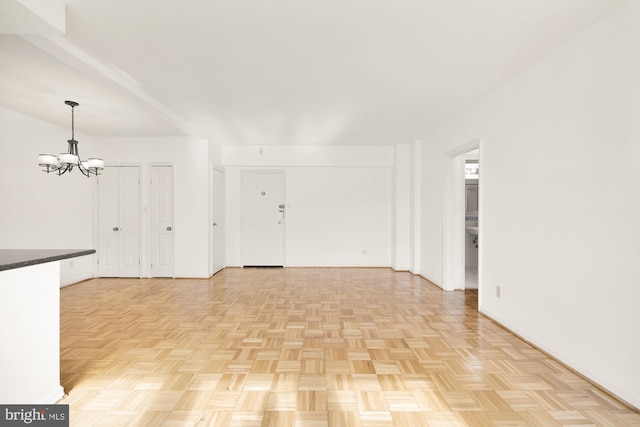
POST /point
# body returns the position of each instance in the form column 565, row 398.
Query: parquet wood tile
column 312, row 347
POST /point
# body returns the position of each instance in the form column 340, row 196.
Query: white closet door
column 119, row 222
column 129, row 222
column 109, row 221
column 162, row 252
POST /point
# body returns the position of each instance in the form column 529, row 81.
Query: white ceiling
column 334, row 72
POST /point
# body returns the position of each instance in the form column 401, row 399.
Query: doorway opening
column 463, row 244
column 472, row 243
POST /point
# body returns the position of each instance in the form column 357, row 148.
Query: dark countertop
column 18, row 258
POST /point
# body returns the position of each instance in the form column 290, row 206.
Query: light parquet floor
column 309, row 348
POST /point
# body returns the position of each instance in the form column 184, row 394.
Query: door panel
column 109, row 255
column 130, row 221
column 119, row 222
column 108, row 230
column 110, row 196
column 128, row 258
column 263, row 219
column 164, row 243
column 162, row 253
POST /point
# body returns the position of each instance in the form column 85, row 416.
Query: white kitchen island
column 30, row 324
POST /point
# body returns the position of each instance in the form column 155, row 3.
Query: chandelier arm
column 86, row 172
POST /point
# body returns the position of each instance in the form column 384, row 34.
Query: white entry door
column 162, row 254
column 263, row 201
column 218, row 261
column 119, row 222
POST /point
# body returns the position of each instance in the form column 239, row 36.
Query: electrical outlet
column 498, row 290
column 364, row 252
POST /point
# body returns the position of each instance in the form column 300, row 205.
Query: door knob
column 215, row 223
column 168, row 228
column 115, row 228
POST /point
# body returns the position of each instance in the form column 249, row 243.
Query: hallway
column 307, row 347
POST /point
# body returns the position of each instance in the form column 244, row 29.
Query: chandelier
column 67, row 161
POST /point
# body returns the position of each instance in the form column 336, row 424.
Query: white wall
column 215, row 154
column 560, row 201
column 401, row 221
column 39, row 210
column 190, row 159
column 415, row 206
column 334, row 214
column 339, row 202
